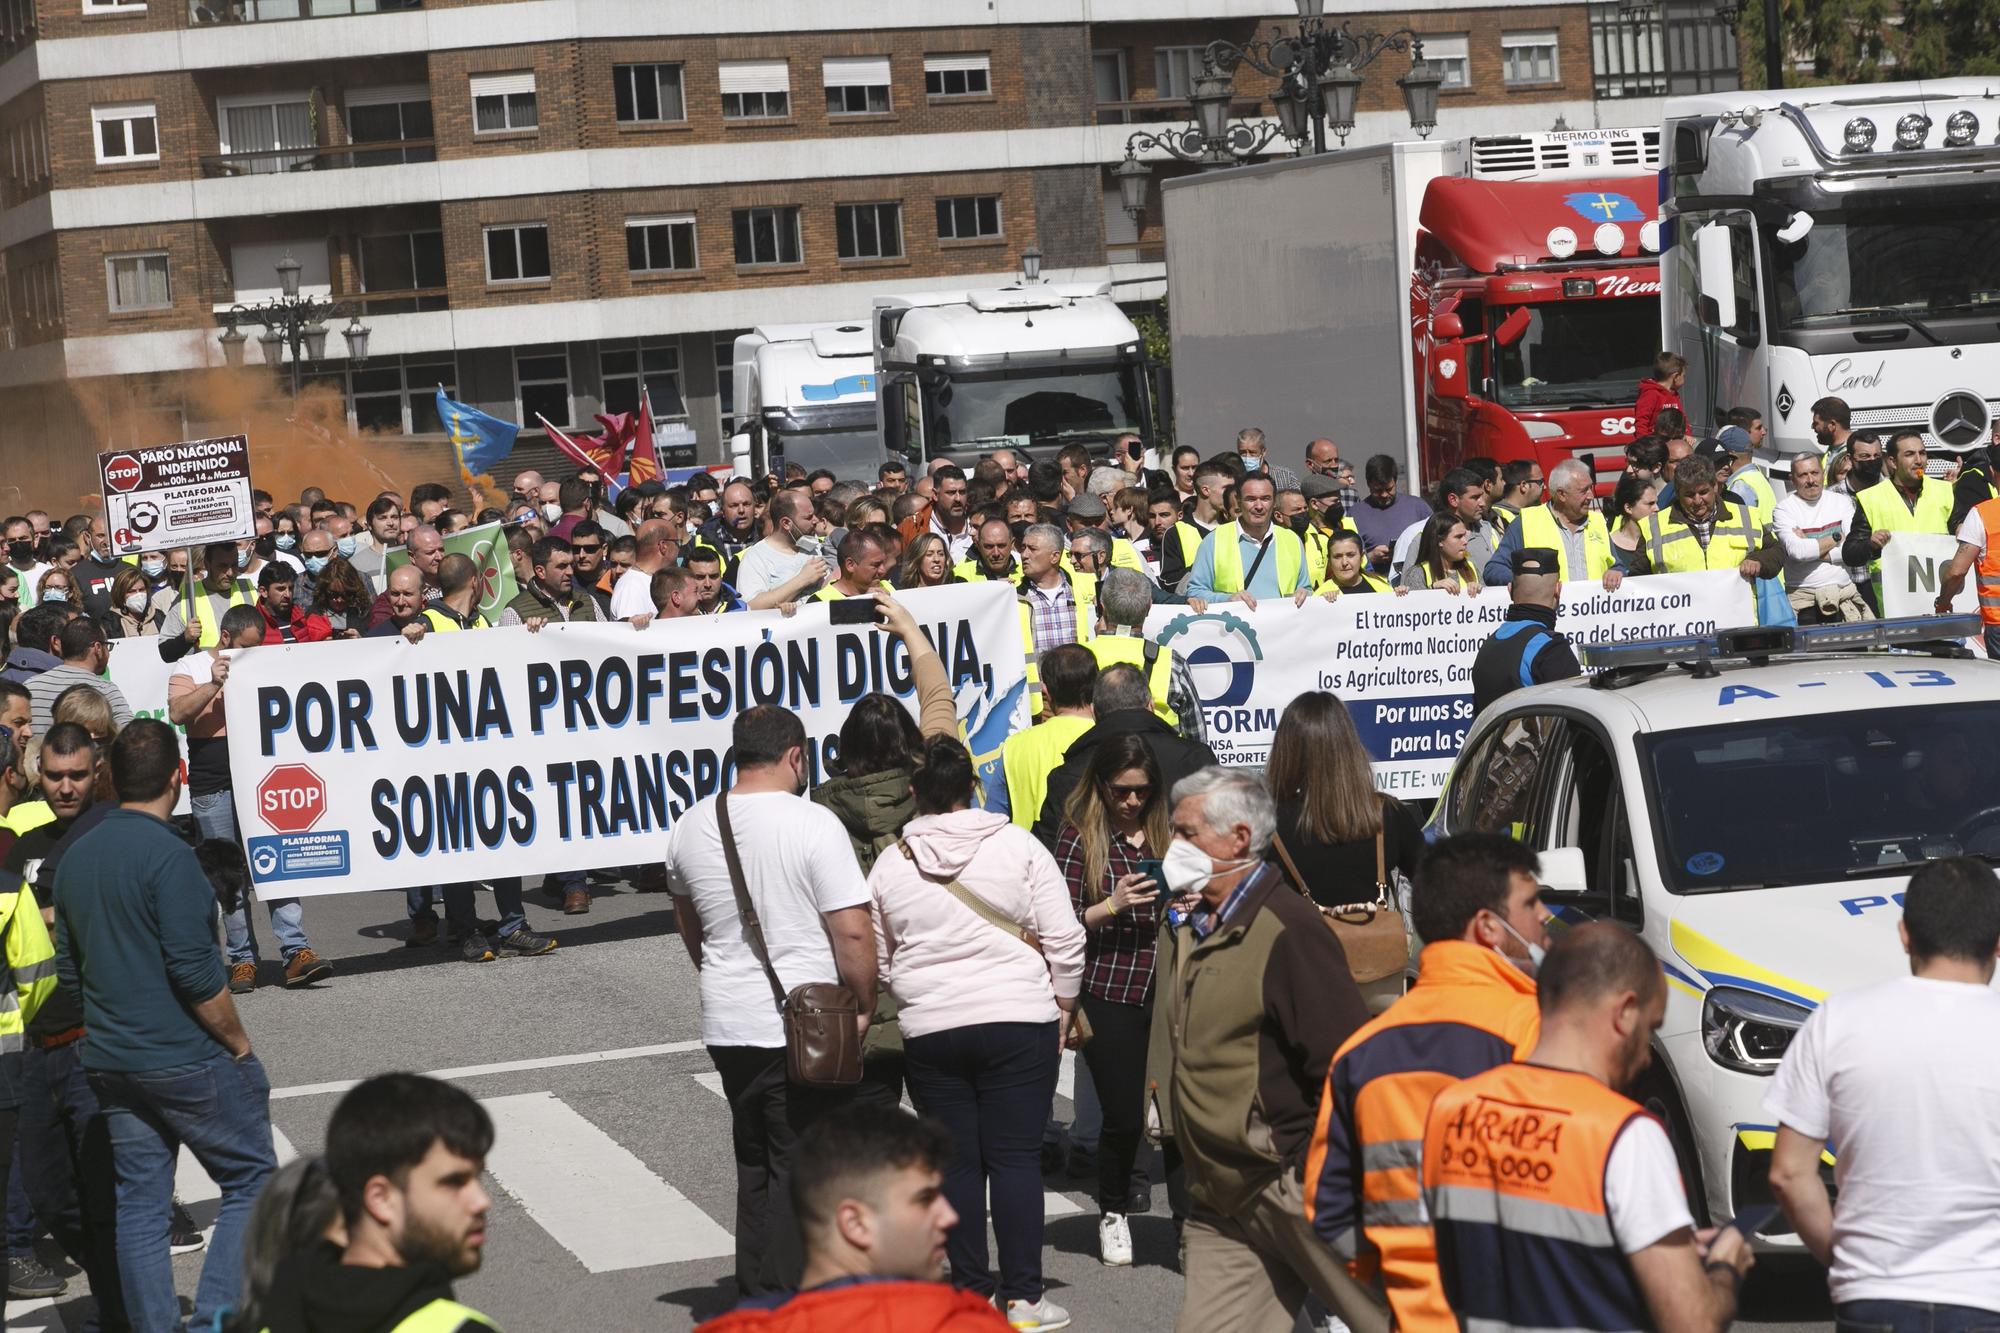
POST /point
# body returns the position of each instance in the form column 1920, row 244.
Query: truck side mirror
column 1450, row 377
column 1512, row 327
column 1563, row 873
column 1715, row 251
column 1446, row 327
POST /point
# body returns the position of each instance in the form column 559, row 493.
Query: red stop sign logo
column 123, row 473
column 291, row 798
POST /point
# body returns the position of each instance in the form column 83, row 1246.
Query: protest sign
column 380, row 764
column 140, row 675
column 185, row 494
column 1403, row 665
column 1912, row 575
column 487, row 546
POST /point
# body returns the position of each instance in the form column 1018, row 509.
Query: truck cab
column 1036, row 364
column 805, row 394
column 1752, row 805
column 1839, row 242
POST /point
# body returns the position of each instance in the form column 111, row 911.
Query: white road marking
column 505, row 1067
column 49, row 1322
column 192, row 1184
column 1066, row 1076
column 591, row 1194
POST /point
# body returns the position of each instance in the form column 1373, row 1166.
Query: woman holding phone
column 1115, row 832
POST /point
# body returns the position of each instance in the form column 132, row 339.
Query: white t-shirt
column 797, row 864
column 632, row 595
column 1902, row 1078
column 764, row 567
column 1972, row 531
column 1642, row 1187
column 1800, row 526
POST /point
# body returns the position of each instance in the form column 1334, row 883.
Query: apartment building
column 541, row 204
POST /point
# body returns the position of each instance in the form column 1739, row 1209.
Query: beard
column 424, row 1242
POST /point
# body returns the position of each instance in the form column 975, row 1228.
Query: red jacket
column 304, row 628
column 1653, row 396
column 880, row 1307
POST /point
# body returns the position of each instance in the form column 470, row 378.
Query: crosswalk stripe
column 192, row 1184
column 591, row 1194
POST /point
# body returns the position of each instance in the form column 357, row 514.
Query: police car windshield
column 1831, row 797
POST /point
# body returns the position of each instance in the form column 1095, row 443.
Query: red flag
column 641, row 464
column 604, row 454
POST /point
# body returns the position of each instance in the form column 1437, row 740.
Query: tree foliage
column 1869, row 41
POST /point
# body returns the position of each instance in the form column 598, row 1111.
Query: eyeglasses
column 580, row 549
column 1140, row 791
column 1534, row 483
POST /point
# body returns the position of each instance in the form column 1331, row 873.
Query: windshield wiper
column 1887, row 867
column 1892, row 315
column 1723, row 888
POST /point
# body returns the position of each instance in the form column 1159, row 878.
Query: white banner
column 140, row 675
column 380, row 764
column 1913, row 571
column 1403, row 665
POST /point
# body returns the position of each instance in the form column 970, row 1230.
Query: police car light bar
column 1906, row 632
column 1755, row 642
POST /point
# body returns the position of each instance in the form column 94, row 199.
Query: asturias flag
column 482, row 441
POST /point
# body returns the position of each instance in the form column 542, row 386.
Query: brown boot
column 242, row 978
column 306, row 967
column 576, row 902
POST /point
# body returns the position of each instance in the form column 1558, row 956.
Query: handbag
column 1077, row 1028
column 1371, row 932
column 822, row 1045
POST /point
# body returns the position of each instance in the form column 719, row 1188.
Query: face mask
column 21, row 554
column 1535, row 951
column 242, row 558
column 1866, row 473
column 267, row 546
column 1253, row 465
column 551, row 511
column 287, row 540
column 152, row 569
column 55, row 594
column 135, row 601
column 346, row 546
column 1188, row 869
column 315, row 563
column 808, row 545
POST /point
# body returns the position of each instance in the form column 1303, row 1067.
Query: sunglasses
column 581, row 549
column 1141, row 790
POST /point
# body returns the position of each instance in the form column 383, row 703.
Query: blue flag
column 482, row 442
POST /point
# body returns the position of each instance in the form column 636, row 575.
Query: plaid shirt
column 1053, row 615
column 1118, row 955
column 1205, row 923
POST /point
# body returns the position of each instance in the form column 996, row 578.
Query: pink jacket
column 948, row 966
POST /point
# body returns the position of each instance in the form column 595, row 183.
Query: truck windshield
column 852, row 452
column 1029, row 405
column 1578, row 354
column 1864, row 264
column 1840, row 795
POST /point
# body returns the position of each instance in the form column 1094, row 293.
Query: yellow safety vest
column 828, row 593
column 1188, row 538
column 440, row 621
column 1886, row 512
column 31, row 957
column 1369, row 583
column 1029, row 756
column 1123, row 556
column 968, row 571
column 1286, row 549
column 1462, row 574
column 26, row 816
column 1317, row 543
column 1763, row 499
column 1082, row 606
column 1540, row 528
column 1503, row 516
column 240, row 594
column 1671, row 546
column 441, row 1316
column 1112, row 649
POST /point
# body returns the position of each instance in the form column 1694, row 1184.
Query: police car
column 1751, row 803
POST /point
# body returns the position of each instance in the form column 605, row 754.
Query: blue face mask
column 345, row 546
column 1253, row 465
column 287, row 540
column 242, row 558
column 55, row 594
column 152, row 569
column 315, row 563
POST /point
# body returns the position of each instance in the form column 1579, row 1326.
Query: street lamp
column 294, row 321
column 1031, row 265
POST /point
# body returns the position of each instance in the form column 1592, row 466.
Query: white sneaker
column 1114, row 1240
column 1043, row 1315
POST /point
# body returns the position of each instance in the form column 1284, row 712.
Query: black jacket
column 1515, row 657
column 313, row 1292
column 1177, row 756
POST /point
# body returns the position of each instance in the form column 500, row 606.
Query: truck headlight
column 1746, row 1031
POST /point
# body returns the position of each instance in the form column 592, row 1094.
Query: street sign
column 291, row 798
column 184, row 494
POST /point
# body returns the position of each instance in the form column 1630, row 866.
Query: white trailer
column 805, row 394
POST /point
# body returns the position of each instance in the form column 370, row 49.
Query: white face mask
column 1188, row 869
column 1536, row 953
column 552, row 511
column 135, row 601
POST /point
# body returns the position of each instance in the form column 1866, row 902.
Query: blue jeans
column 990, row 1085
column 21, row 1227
column 220, row 1108
column 458, row 905
column 215, row 816
column 67, row 1162
column 1912, row 1317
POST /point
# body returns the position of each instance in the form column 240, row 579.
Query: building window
column 114, row 6
column 502, row 102
column 139, row 282
column 756, row 89
column 1107, row 71
column 544, row 381
column 767, row 236
column 1175, row 68
column 660, row 366
column 971, row 218
column 868, row 231
column 647, row 93
column 660, row 245
column 401, row 399
column 388, row 116
column 408, row 261
column 856, row 85
column 258, row 131
column 1529, row 57
column 958, row 75
column 518, row 253
column 126, row 133
column 1450, row 55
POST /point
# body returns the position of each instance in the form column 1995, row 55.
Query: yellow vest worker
column 1502, row 516
column 30, row 957
column 1029, row 756
column 1186, row 539
column 1083, row 613
column 968, row 571
column 1539, row 527
column 1158, row 664
column 442, row 620
column 1514, row 1168
column 1672, row 547
column 829, row 593
column 1469, row 1011
column 240, row 594
column 1317, row 539
column 1287, row 552
column 1751, row 478
column 1886, row 511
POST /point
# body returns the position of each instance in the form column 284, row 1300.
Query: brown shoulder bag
column 822, row 1047
column 1370, row 932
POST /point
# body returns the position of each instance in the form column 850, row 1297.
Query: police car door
column 1588, row 812
column 1505, row 782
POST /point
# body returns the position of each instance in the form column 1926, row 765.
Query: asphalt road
column 615, row 1189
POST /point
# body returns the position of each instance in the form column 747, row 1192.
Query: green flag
column 486, row 545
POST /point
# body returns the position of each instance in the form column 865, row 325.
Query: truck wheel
column 1657, row 1093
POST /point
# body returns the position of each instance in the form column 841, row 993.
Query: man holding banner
column 1976, row 547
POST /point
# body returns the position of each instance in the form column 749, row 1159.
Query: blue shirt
column 1201, row 574
column 1205, row 924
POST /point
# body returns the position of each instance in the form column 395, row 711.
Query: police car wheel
column 1656, row 1092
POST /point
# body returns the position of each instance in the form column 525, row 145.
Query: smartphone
column 1151, row 869
column 853, row 611
column 1753, row 1219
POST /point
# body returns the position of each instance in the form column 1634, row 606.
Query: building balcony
column 202, row 13
column 1167, row 110
column 338, row 157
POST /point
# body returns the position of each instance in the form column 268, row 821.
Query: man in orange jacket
column 1476, row 898
column 868, row 1190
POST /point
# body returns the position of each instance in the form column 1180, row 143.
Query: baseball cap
column 1735, row 439
column 1537, row 560
column 1715, row 451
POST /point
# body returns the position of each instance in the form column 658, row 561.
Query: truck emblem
column 1601, row 207
column 1842, row 375
column 1960, row 419
column 1785, row 401
column 1447, row 368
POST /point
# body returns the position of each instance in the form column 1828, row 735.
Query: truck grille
column 1504, row 156
column 1886, row 421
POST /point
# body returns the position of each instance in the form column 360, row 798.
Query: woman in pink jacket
column 977, row 939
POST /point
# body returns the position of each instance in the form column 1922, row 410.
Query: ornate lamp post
column 294, row 321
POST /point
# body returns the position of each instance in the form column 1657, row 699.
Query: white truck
column 805, row 394
column 1839, row 242
column 1754, row 818
column 1034, row 364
